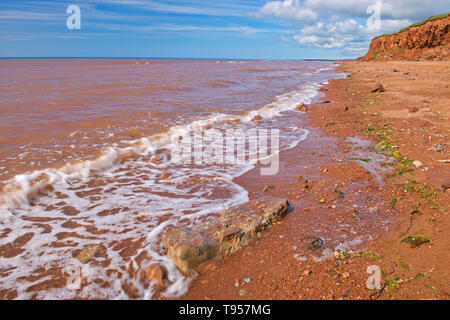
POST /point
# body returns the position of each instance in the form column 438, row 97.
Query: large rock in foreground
column 235, row 228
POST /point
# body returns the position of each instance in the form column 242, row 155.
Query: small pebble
column 242, row 292
column 417, row 164
column 247, row 280
column 236, row 284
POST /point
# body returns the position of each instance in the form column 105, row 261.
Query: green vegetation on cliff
column 417, row 24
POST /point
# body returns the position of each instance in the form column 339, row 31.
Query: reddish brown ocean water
column 85, row 158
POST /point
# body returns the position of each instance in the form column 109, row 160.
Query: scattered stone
column 417, row 164
column 155, row 274
column 165, row 176
column 316, row 244
column 413, row 109
column 445, row 187
column 236, row 284
column 89, row 252
column 242, row 292
column 326, row 102
column 257, row 118
column 379, row 88
column 235, row 228
column 346, row 108
column 302, row 107
column 156, row 159
column 248, row 280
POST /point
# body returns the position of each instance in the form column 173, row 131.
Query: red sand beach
column 105, row 198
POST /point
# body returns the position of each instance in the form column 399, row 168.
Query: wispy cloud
column 29, row 15
column 208, row 8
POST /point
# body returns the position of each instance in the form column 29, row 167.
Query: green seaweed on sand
column 340, row 193
column 268, row 187
column 417, row 241
column 393, row 202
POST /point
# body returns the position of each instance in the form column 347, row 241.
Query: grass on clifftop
column 417, row 24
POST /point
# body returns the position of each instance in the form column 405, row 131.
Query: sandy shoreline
column 409, row 122
column 366, row 188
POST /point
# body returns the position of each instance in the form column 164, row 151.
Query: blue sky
column 236, row 29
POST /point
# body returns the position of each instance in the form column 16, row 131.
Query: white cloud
column 391, row 9
column 346, row 34
column 291, row 10
column 342, row 23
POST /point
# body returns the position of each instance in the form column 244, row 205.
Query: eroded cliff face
column 429, row 41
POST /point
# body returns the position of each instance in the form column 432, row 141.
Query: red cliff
column 426, row 40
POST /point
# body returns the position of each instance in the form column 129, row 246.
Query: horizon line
column 172, row 58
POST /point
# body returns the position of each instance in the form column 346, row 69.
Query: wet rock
column 155, row 274
column 191, row 247
column 165, row 176
column 302, row 107
column 157, row 159
column 379, row 88
column 89, row 252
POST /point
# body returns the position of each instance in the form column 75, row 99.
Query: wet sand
column 106, row 194
column 344, row 191
column 407, row 215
